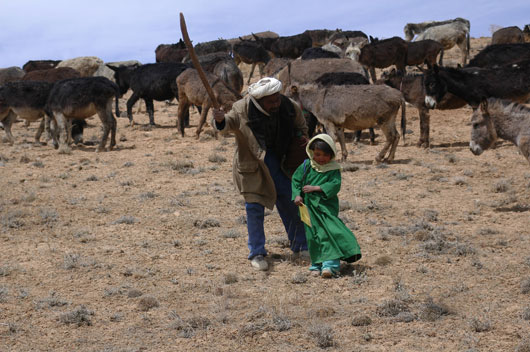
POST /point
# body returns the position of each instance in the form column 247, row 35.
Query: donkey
column 252, row 53
column 474, row 84
column 498, row 118
column 449, row 35
column 383, row 53
column 80, row 98
column 26, row 99
column 413, row 90
column 190, row 90
column 355, row 107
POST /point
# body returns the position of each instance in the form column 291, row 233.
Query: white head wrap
column 264, row 87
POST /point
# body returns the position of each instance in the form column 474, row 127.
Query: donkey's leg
column 251, row 72
column 332, row 131
column 7, row 122
column 39, row 131
column 394, row 134
column 107, row 125
column 391, row 138
column 150, row 107
column 183, row 110
column 372, row 74
column 62, row 131
column 113, row 124
column 342, row 142
column 202, row 121
column 424, row 127
column 133, row 99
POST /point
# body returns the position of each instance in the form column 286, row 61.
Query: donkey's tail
column 403, row 118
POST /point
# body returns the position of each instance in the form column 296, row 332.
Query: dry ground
column 144, row 248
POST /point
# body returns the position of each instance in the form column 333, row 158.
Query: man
column 265, row 123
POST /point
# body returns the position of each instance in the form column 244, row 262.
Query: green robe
column 327, row 238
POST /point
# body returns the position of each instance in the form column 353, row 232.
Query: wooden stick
column 196, row 63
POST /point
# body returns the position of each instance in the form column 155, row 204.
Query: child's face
column 321, row 157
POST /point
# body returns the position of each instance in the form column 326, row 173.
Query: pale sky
column 130, row 30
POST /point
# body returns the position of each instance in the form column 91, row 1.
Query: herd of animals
column 330, row 73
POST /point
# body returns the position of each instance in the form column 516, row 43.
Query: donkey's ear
column 484, row 106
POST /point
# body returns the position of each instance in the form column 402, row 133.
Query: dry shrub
column 216, row 158
column 361, row 320
column 478, row 325
column 230, row 278
column 207, row 223
column 126, row 219
column 383, row 260
column 392, row 307
column 299, row 278
column 525, row 286
column 147, row 302
column 524, row 346
column 133, row 293
column 323, row 335
column 431, row 311
column 405, row 317
column 502, row 186
column 526, row 313
column 79, row 316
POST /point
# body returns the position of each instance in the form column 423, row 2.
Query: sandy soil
column 144, row 248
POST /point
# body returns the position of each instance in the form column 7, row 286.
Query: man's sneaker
column 259, row 263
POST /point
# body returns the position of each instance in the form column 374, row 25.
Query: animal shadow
column 518, row 208
column 353, row 269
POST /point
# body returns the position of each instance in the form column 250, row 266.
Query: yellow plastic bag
column 304, row 215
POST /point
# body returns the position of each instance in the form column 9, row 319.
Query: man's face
column 271, row 103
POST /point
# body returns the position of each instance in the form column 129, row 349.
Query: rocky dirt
column 144, row 248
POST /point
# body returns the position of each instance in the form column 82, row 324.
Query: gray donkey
column 504, row 119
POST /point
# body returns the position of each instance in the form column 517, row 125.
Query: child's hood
column 333, row 164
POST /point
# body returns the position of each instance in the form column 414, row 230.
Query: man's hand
column 218, row 115
column 309, row 189
column 298, row 200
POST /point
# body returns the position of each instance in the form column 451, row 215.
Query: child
column 316, row 183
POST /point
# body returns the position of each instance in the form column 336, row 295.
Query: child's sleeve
column 331, row 185
column 296, row 181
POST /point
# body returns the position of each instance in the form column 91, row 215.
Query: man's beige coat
column 251, row 175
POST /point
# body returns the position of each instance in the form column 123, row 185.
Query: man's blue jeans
column 286, row 208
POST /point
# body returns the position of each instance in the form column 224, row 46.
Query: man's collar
column 258, row 106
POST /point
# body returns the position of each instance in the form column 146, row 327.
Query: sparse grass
column 299, row 278
column 502, row 186
column 361, row 320
column 206, row 223
column 39, row 164
column 216, row 158
column 147, row 195
column 478, row 325
column 525, row 286
column 322, row 335
column 79, row 316
column 5, row 270
column 459, row 181
column 523, row 346
column 392, row 307
column 349, row 167
column 383, row 260
column 4, row 293
column 526, row 313
column 182, row 166
column 126, row 219
column 187, row 327
column 232, row 233
column 12, row 220
column 71, row 261
column 147, row 302
column 344, row 205
column 128, row 164
column 230, row 278
column 432, row 311
column 484, row 231
column 48, row 216
column 133, row 293
column 92, row 178
column 52, row 301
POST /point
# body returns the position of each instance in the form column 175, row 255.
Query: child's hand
column 298, row 200
column 309, row 189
